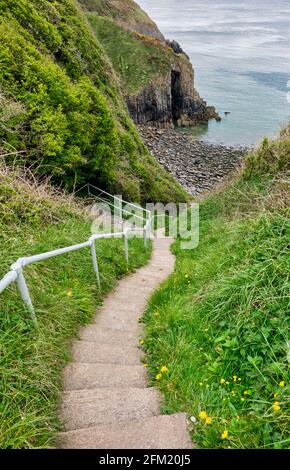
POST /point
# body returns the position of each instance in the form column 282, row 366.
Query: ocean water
column 241, row 56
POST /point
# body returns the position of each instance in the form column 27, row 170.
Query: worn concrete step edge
column 90, row 351
column 83, row 375
column 85, row 408
column 158, row 432
column 107, row 335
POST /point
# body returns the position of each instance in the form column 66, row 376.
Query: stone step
column 83, row 375
column 92, row 352
column 85, row 408
column 119, row 323
column 158, row 432
column 107, row 335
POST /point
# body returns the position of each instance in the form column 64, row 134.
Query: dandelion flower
column 222, row 381
column 186, row 276
column 225, row 434
column 158, row 376
column 203, row 415
column 242, row 399
column 276, row 406
column 164, row 369
column 69, row 293
column 141, row 342
column 227, row 382
column 201, row 384
column 282, row 383
column 246, row 392
column 146, row 365
column 239, row 379
column 235, row 378
column 208, row 420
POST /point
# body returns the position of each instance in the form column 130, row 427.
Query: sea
column 240, row 51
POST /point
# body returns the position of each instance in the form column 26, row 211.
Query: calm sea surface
column 240, row 52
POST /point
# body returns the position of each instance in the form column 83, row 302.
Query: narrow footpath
column 107, row 403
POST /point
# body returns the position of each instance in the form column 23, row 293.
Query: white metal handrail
column 16, row 270
column 117, row 198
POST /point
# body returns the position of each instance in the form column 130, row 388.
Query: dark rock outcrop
column 171, row 99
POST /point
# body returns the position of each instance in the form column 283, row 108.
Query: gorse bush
column 73, row 123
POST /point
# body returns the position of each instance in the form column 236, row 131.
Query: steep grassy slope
column 125, row 12
column 69, row 117
column 136, row 58
column 34, row 219
column 221, row 322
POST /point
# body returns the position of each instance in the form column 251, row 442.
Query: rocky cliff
column 157, row 76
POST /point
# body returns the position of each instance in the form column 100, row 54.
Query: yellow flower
column 282, row 383
column 203, row 415
column 201, row 384
column 146, row 365
column 222, row 381
column 276, row 406
column 69, row 293
column 156, row 314
column 141, row 342
column 207, row 386
column 239, row 379
column 233, row 393
column 158, row 376
column 208, row 420
column 246, row 392
column 225, row 434
column 227, row 382
column 235, row 378
column 242, row 399
column 186, row 275
column 164, row 369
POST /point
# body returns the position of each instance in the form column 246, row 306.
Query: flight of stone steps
column 107, row 403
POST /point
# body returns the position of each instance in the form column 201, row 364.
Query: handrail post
column 23, row 289
column 126, row 246
column 145, row 236
column 95, row 262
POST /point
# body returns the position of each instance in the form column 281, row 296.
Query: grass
column 220, row 324
column 136, row 58
column 34, row 219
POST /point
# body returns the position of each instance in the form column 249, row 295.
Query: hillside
column 61, row 105
column 156, row 75
column 220, row 323
column 35, row 218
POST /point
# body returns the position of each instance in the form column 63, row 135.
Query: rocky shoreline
column 197, row 165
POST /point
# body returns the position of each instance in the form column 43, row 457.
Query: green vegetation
column 67, row 114
column 136, row 58
column 35, row 219
column 220, row 324
column 126, row 11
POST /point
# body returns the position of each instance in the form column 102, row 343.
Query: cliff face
column 170, row 99
column 157, row 76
